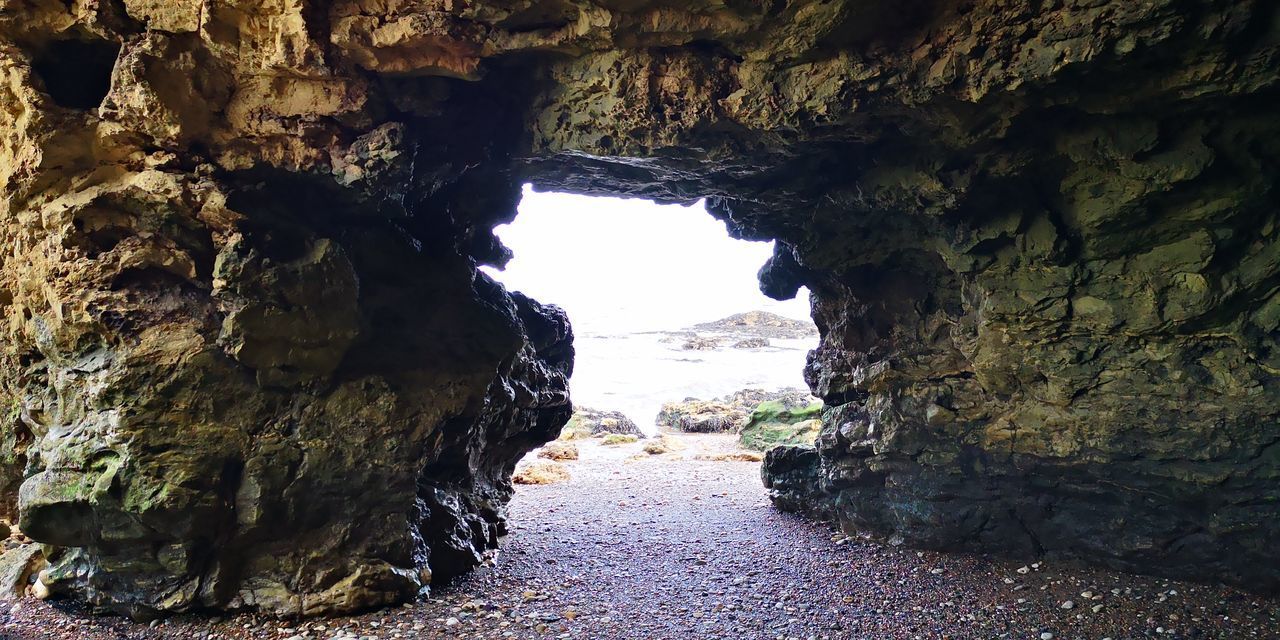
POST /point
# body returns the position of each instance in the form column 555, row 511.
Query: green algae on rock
column 774, row 424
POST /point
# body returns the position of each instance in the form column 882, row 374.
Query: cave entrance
column 665, row 308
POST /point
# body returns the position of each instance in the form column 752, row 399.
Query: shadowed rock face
column 248, row 361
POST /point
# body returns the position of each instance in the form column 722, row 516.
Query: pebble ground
column 669, row 547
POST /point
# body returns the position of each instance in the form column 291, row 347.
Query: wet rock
column 729, row 413
column 773, row 423
column 792, row 475
column 701, row 416
column 751, row 343
column 594, row 423
column 248, row 361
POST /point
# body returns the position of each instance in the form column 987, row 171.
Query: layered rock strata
column 249, row 362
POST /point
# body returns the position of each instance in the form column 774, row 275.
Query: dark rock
column 594, row 423
column 701, row 416
column 247, row 360
column 792, row 474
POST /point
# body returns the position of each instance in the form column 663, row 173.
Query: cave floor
column 656, row 547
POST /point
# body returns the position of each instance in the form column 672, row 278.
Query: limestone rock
column 18, row 570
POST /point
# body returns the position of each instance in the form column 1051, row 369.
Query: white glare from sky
column 619, row 265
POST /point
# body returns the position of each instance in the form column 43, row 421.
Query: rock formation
column 760, row 325
column 728, row 413
column 597, row 423
column 248, row 361
column 774, row 424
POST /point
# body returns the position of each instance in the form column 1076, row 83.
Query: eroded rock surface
column 598, row 423
column 248, row 361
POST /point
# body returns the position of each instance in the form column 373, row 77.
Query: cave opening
column 674, row 339
column 77, row 72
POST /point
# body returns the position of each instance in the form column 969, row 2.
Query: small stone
column 1024, row 570
column 1046, row 636
column 1068, row 605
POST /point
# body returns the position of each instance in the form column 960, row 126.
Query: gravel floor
column 671, row 547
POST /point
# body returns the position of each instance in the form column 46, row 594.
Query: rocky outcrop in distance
column 248, row 361
column 760, row 325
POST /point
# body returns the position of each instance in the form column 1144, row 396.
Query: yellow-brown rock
column 247, row 360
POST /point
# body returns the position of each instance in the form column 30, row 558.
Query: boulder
column 701, row 416
column 662, row 444
column 559, row 450
column 594, row 423
column 728, row 413
column 19, row 568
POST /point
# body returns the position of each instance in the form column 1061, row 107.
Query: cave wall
column 249, row 362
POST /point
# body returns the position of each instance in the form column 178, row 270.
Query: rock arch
column 249, row 361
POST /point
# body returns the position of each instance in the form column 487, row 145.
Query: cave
column 251, row 363
column 77, row 73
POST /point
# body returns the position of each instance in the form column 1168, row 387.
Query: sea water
column 629, row 272
column 636, row 373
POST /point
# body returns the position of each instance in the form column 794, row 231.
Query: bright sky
column 631, row 265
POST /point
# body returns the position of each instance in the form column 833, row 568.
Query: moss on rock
column 773, row 424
